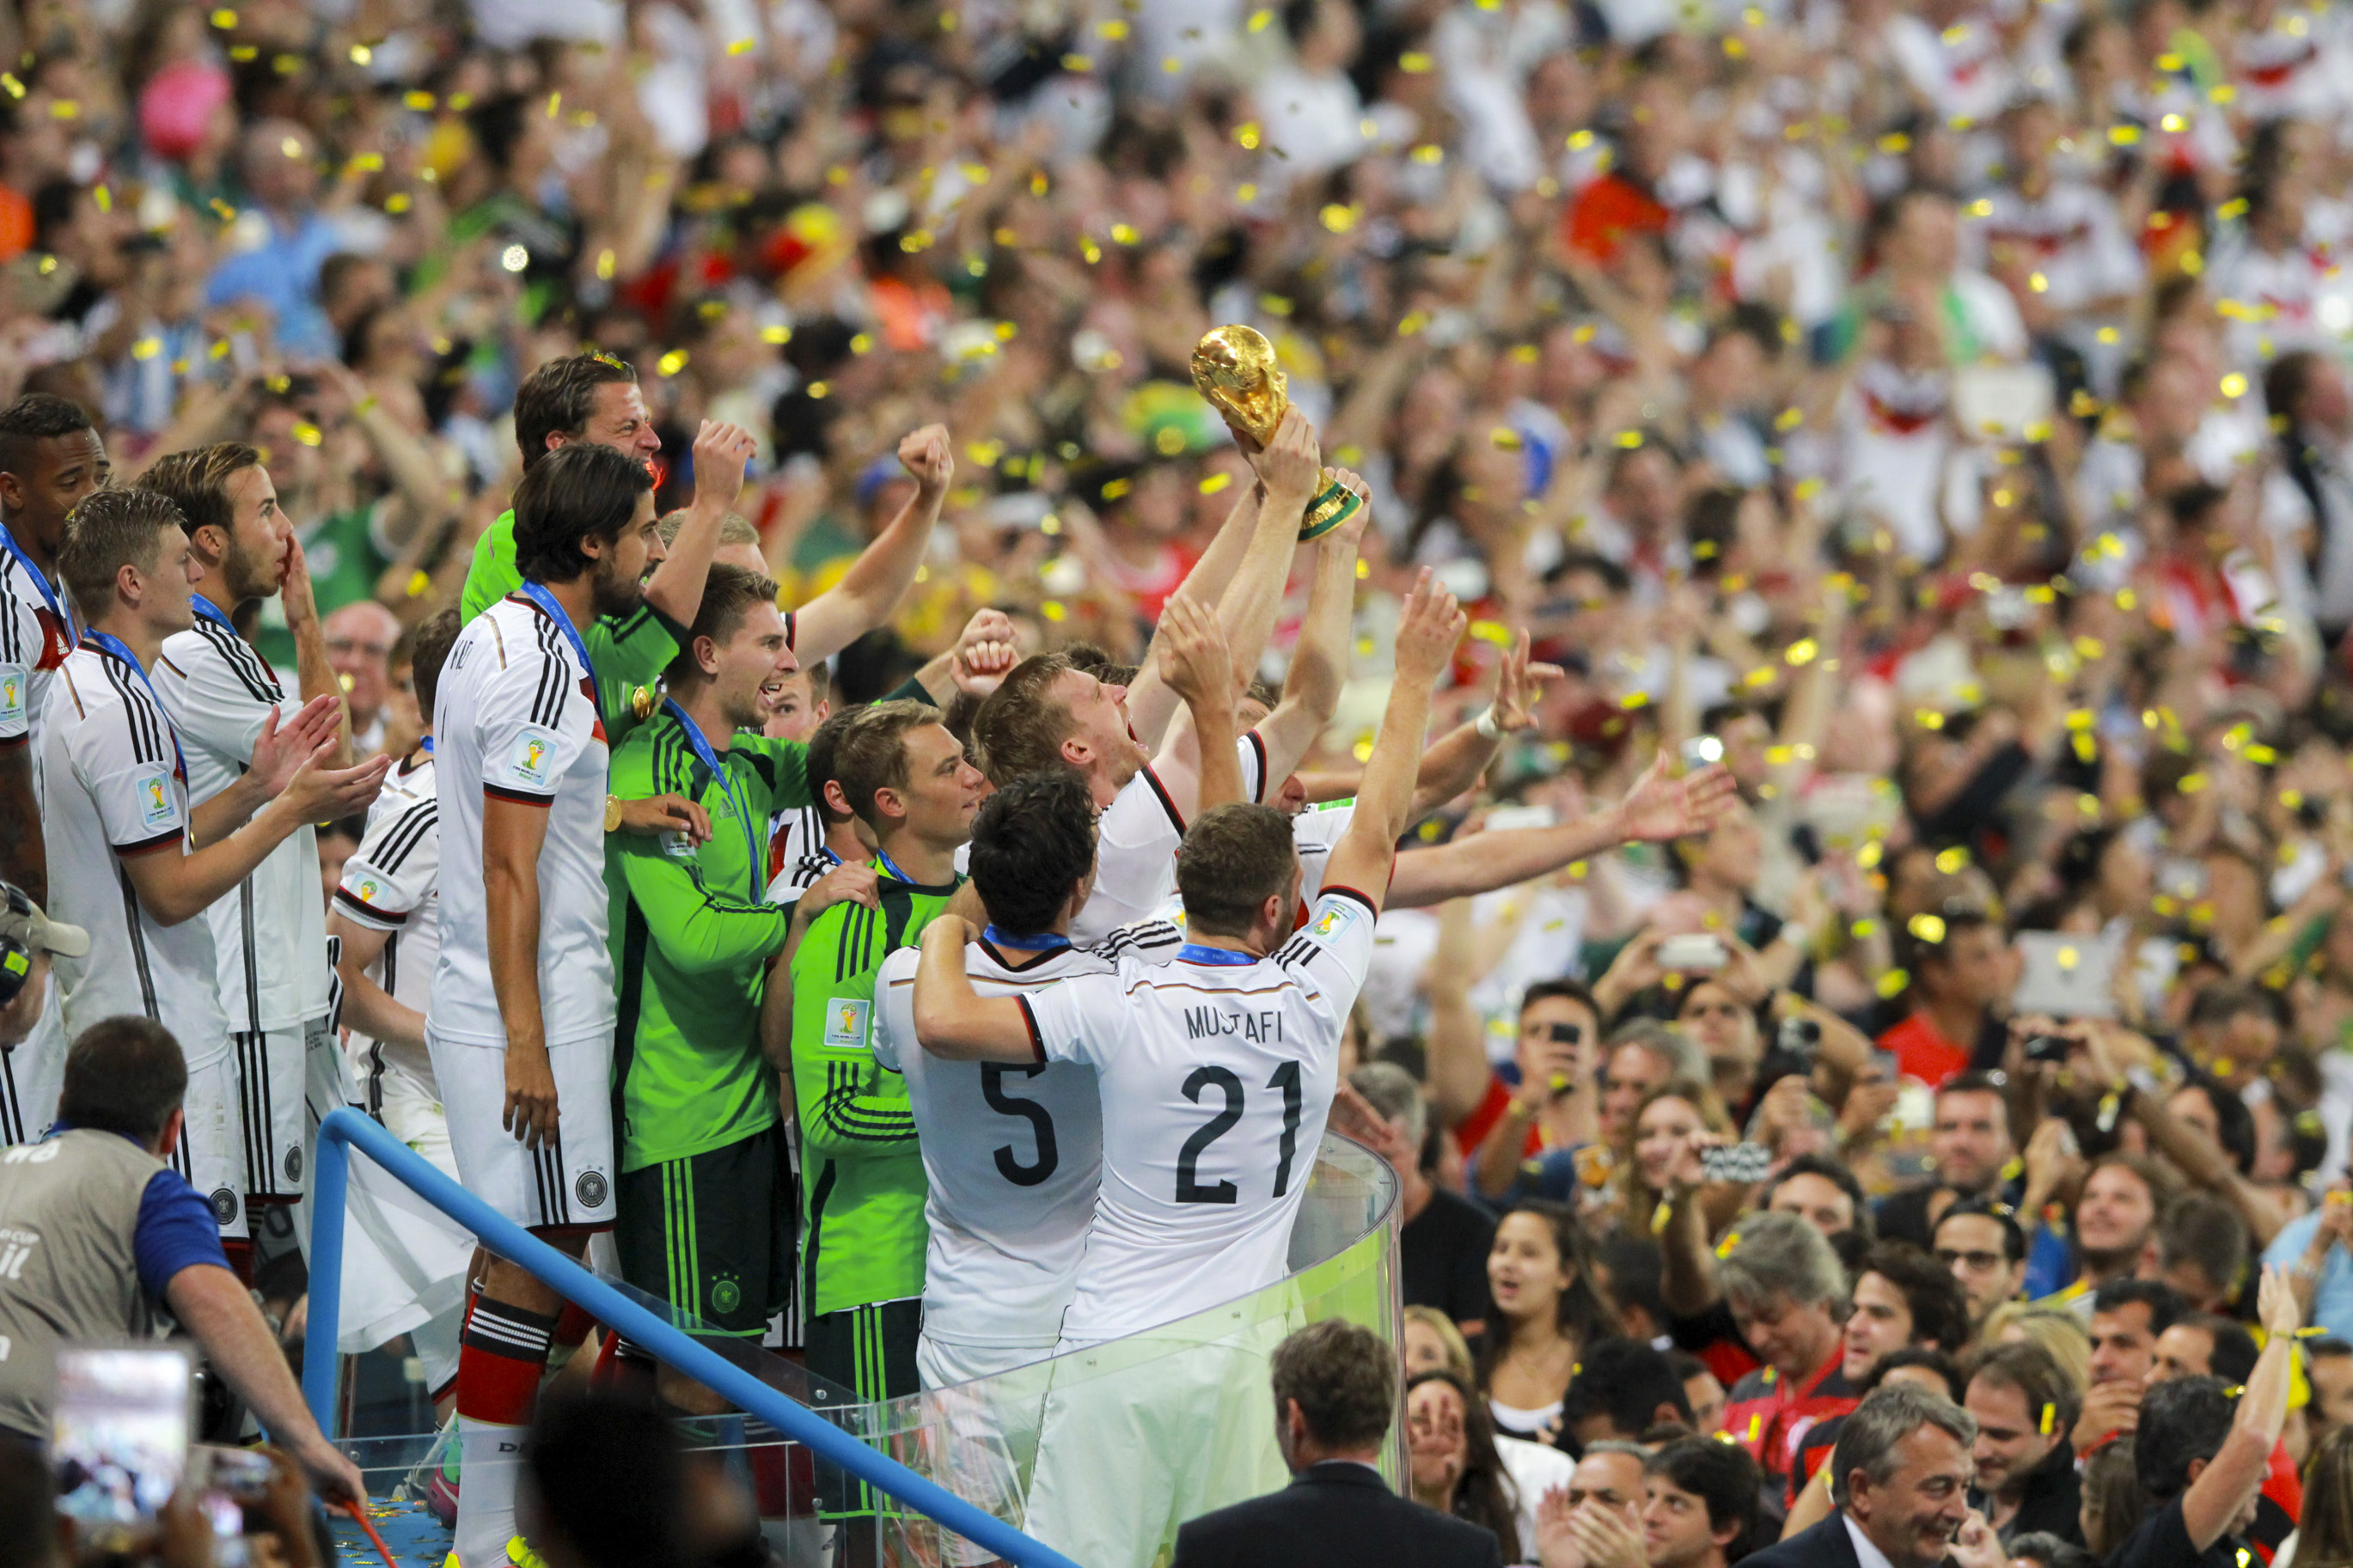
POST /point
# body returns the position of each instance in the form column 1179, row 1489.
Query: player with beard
column 50, row 458
column 269, row 938
column 520, row 1026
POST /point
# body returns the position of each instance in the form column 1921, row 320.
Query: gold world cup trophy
column 1234, row 369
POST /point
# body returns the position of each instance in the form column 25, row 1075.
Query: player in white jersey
column 1216, row 1075
column 405, row 1261
column 1048, row 713
column 269, row 936
column 520, row 1024
column 119, row 826
column 51, row 458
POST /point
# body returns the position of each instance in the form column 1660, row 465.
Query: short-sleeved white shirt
column 392, row 883
column 33, row 641
column 1135, row 848
column 1014, row 1154
column 113, row 787
column 271, row 934
column 515, row 716
column 1216, row 1082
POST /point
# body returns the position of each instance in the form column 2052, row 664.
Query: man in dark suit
column 1335, row 1395
column 1900, row 1480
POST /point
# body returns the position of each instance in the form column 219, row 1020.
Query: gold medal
column 641, row 702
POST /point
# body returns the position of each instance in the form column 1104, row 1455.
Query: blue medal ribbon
column 1223, row 957
column 425, row 745
column 540, row 597
column 726, row 784
column 211, row 612
column 893, row 866
column 42, row 586
column 1044, row 942
column 109, row 643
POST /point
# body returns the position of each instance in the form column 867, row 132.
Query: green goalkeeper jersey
column 863, row 1184
column 691, row 935
column 629, row 652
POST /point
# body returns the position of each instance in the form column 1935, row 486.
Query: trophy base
column 1334, row 505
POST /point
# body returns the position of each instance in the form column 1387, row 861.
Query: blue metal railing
column 330, row 1181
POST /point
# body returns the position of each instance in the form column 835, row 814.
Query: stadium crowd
column 1806, row 808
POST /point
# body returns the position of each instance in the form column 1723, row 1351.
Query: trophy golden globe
column 1234, row 370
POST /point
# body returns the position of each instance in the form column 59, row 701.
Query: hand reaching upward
column 926, row 454
column 1661, row 806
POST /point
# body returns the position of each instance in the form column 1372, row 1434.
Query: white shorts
column 271, row 1071
column 1141, row 1434
column 32, row 1075
column 565, row 1184
column 980, row 1415
column 210, row 1154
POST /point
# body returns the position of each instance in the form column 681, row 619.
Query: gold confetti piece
column 1628, row 440
column 2048, row 1416
column 1259, row 18
column 147, row 348
column 1090, row 249
column 1338, row 216
column 818, row 389
column 1413, row 62
column 1429, row 153
column 1951, row 860
column 1246, row 193
column 1802, row 652
column 1504, row 438
column 308, row 434
column 223, row 18
column 671, row 362
column 1079, row 64
column 2123, row 135
column 1893, row 982
column 743, row 45
column 361, row 54
column 1927, row 928
column 2235, row 385
column 420, row 101
column 1412, row 322
column 1114, row 29
column 1247, row 135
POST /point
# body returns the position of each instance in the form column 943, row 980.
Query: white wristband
column 1488, row 728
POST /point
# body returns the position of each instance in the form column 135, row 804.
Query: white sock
column 486, row 1491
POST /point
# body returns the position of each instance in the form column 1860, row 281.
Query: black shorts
column 860, row 1355
column 710, row 1234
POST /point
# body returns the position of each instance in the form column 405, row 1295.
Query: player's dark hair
column 608, row 1475
column 1020, row 726
column 823, row 740
column 820, row 682
column 425, row 648
column 578, row 493
column 125, row 1074
column 2037, row 1375
column 197, row 482
column 1345, row 1379
column 1940, row 1309
column 1723, row 1475
column 1032, row 842
column 36, row 417
column 109, row 531
column 2013, row 1235
column 1624, row 1382
column 728, row 595
column 2181, row 1419
column 557, row 398
column 2165, row 1305
column 1234, row 858
column 869, row 752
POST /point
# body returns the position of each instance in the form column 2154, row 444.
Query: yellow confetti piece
column 1952, row 860
column 1079, row 64
column 743, row 45
column 1413, row 62
column 1412, row 322
column 146, row 348
column 1429, row 153
column 1215, row 483
column 1338, row 216
column 310, row 435
column 1503, row 439
column 2048, row 1416
column 420, row 582
column 2235, row 385
column 2123, row 135
column 1090, row 249
column 671, row 362
column 223, row 18
column 1755, row 1427
column 361, row 54
column 1660, row 1216
column 1927, row 928
column 1259, row 18
column 421, row 101
column 1114, row 29
column 1891, row 983
column 1634, row 700
column 1802, row 652
column 1247, row 135
column 776, row 334
column 819, row 389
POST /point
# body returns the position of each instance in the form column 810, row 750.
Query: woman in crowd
column 1548, row 1306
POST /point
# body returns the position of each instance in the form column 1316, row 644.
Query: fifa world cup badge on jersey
column 1328, row 925
column 678, row 846
column 12, row 694
column 530, row 763
column 156, row 800
column 845, row 1023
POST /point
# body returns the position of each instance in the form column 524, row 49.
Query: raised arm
column 956, row 1023
column 1319, row 664
column 720, row 452
column 1427, row 634
column 1288, row 470
column 1455, row 1045
column 1193, row 660
column 1659, row 807
column 2235, row 1473
column 316, row 676
column 868, row 594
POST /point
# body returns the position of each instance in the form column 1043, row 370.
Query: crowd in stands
column 1863, row 999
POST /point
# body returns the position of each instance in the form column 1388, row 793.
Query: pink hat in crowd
column 177, row 105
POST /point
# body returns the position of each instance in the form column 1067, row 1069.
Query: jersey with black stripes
column 1014, row 1154
column 392, row 883
column 1217, row 1074
column 1135, row 848
column 271, row 933
column 113, row 789
column 797, row 877
column 515, row 716
column 796, row 834
column 33, row 641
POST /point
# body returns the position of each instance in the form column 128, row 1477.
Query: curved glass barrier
column 1100, row 1453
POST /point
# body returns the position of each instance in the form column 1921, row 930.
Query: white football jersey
column 33, row 641
column 1014, row 1153
column 515, row 716
column 392, row 883
column 271, row 934
column 1135, row 848
column 113, row 786
column 1217, row 1074
column 1315, row 831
